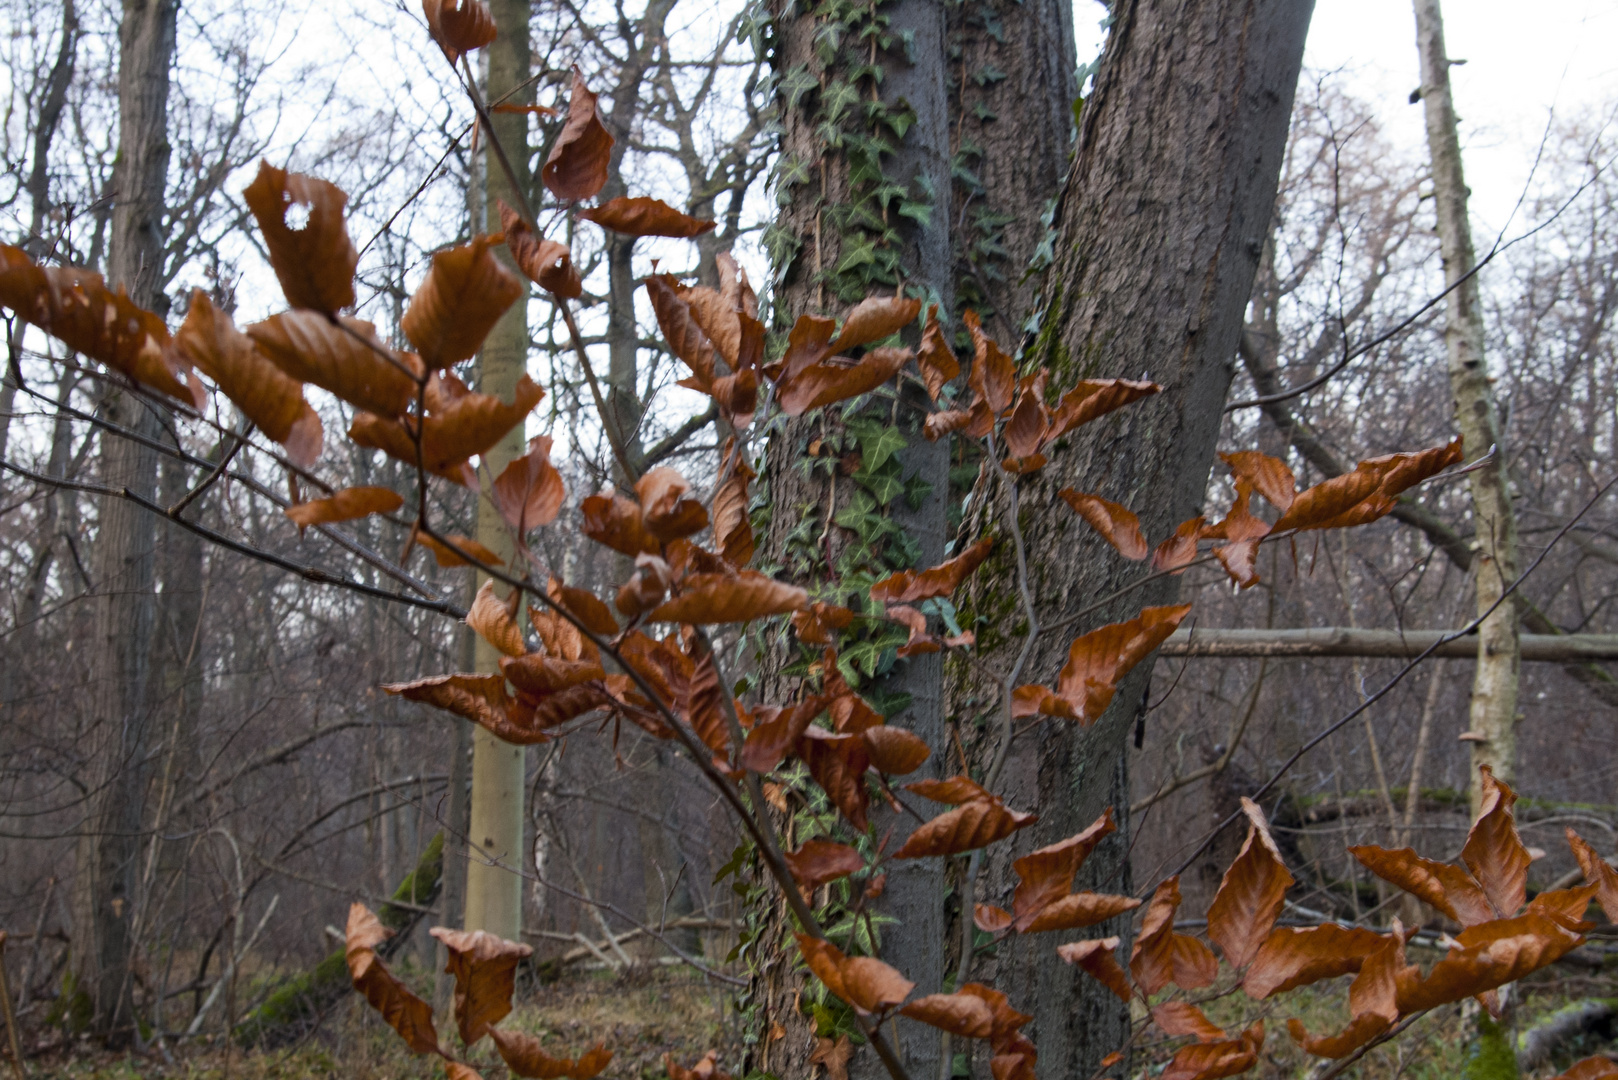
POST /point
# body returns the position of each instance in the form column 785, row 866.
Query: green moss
column 300, row 1000
column 73, row 1008
column 1489, row 1053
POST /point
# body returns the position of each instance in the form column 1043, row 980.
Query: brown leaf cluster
column 1096, row 662
column 978, row 819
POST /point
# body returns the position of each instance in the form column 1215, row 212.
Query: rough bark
column 1160, row 231
column 819, row 279
column 494, row 889
column 1494, row 684
column 105, row 882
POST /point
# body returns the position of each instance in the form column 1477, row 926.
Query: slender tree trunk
column 494, row 889
column 123, row 559
column 1160, row 230
column 1494, row 684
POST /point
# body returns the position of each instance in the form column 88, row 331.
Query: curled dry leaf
column 403, row 1011
column 1494, row 852
column 953, row 791
column 1116, row 524
column 616, row 522
column 1161, row 956
column 1290, row 957
column 646, row 217
column 646, row 587
column 665, row 508
column 583, row 606
column 1446, row 887
column 314, row 261
column 1025, row 430
column 1183, row 1018
column 493, row 620
column 546, row 262
column 772, row 737
column 994, row 374
column 1591, row 1068
column 1081, row 909
column 732, row 528
column 529, row 491
column 706, row 1069
column 1092, row 399
column 444, row 554
column 833, row 1055
column 819, row 861
column 934, row 356
column 342, row 356
column 1238, row 559
column 1598, row 872
column 1179, row 550
column 961, row 1014
column 974, row 423
column 470, row 424
column 524, row 1056
column 971, row 825
column 718, row 598
column 1249, row 900
column 911, row 586
column 1095, row 663
column 578, row 162
column 345, row 505
column 1215, row 1060
column 893, row 750
column 873, row 319
column 1490, row 955
column 485, row 970
column 264, row 394
column 1266, row 475
column 837, row 762
column 827, row 383
column 990, row 919
column 481, row 699
column 1046, row 876
column 1360, row 1030
column 1565, row 907
column 540, row 677
column 1096, row 958
column 459, row 26
column 463, row 296
column 814, row 624
column 76, row 307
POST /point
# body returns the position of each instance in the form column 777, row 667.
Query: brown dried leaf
column 827, row 383
column 1078, row 910
column 818, row 861
column 455, row 307
column 959, row 1014
column 1290, row 957
column 953, row 791
column 772, row 738
column 579, row 159
column 1316, row 507
column 895, row 751
column 1446, row 887
column 667, row 512
column 1097, row 660
column 1565, row 907
column 529, row 491
column 646, row 587
column 485, row 970
column 1096, row 958
column 1598, row 872
column 1361, row 1030
column 492, row 619
column 1403, row 471
column 1024, row 433
column 539, row 677
column 1117, row 524
column 717, row 598
column 872, row 986
column 732, row 526
column 403, row 1011
column 524, row 1056
column 1046, row 876
column 1494, row 852
column 263, row 393
column 990, row 919
column 837, row 762
column 1491, row 955
column 1183, row 1018
column 1092, row 399
column 971, row 825
column 1266, row 475
column 313, row 261
column 345, row 505
column 1238, row 559
column 974, row 423
column 1213, row 1061
column 1590, row 1068
column 1180, row 549
column 545, row 262
column 824, row 960
column 1249, row 900
column 994, row 374
column 646, row 217
column 343, row 357
column 833, row 1054
column 459, row 25
column 616, row 522
column 934, row 357
column 706, row 1069
column 1161, row 956
column 583, row 606
column 910, row 586
column 873, row 319
column 814, row 625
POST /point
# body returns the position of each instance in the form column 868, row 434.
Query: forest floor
column 643, row 1016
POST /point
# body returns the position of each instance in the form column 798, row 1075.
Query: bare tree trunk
column 123, row 560
column 494, row 889
column 1160, row 230
column 1494, row 684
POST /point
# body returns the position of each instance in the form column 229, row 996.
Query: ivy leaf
column 916, row 492
column 885, row 484
column 878, row 442
column 919, row 212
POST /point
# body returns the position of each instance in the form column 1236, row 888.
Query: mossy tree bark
column 494, row 882
column 122, row 725
column 1160, row 230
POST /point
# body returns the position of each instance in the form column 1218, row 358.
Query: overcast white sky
column 1523, row 59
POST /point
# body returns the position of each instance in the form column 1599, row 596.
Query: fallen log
column 1404, row 644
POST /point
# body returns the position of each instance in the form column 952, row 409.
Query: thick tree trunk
column 1494, row 684
column 494, row 880
column 1160, row 231
column 105, row 885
